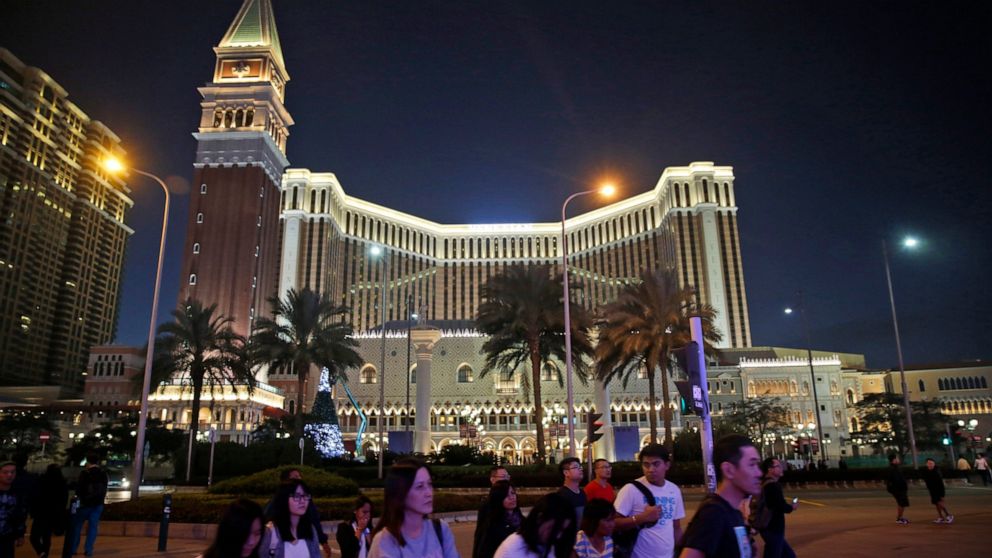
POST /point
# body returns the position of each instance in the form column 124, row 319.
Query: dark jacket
column 92, row 487
column 495, row 530
column 896, row 482
column 348, row 542
column 775, row 501
column 13, row 514
column 934, row 482
column 51, row 497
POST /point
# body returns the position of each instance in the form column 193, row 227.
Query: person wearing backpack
column 91, row 489
column 649, row 524
column 769, row 515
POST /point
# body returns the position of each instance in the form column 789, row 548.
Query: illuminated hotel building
column 62, row 234
column 687, row 221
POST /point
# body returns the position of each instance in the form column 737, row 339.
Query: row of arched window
column 234, row 118
column 977, row 382
column 971, row 406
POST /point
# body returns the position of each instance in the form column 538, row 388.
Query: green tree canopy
column 640, row 328
column 306, row 330
column 882, row 423
column 199, row 350
column 522, row 313
column 755, row 417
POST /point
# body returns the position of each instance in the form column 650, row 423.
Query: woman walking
column 238, row 532
column 291, row 533
column 595, row 538
column 549, row 521
column 354, row 537
column 405, row 529
column 502, row 520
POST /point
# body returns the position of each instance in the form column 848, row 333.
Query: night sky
column 845, row 123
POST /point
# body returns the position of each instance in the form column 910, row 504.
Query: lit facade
column 231, row 253
column 63, row 231
column 687, row 222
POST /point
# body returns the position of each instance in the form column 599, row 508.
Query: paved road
column 849, row 523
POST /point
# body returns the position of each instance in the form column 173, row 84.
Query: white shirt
column 514, row 547
column 658, row 540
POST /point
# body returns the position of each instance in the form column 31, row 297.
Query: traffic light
column 685, row 397
column 594, row 425
column 691, row 390
column 945, row 440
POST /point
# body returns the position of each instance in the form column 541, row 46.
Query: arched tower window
column 196, row 247
column 368, row 375
column 923, row 386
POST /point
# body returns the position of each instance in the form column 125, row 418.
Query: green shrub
column 265, row 483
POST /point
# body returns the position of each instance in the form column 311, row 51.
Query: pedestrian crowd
column 45, row 499
column 641, row 519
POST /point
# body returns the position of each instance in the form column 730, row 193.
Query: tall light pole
column 114, row 165
column 605, row 190
column 908, row 242
column 379, row 251
column 812, row 374
column 410, row 316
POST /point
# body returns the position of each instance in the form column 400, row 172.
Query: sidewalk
column 125, row 546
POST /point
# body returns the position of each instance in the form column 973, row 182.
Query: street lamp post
column 606, row 190
column 379, row 251
column 909, row 243
column 114, row 165
column 812, row 374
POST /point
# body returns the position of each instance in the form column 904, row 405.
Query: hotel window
column 199, row 217
column 367, row 375
column 192, row 278
column 465, row 375
column 196, row 247
column 203, row 188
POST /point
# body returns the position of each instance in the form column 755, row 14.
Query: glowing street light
column 812, row 376
column 605, row 190
column 380, row 252
column 114, row 165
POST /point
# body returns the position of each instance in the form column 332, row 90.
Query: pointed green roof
column 254, row 26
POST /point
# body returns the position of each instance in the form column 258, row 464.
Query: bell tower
column 231, row 253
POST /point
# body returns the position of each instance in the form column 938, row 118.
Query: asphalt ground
column 845, row 522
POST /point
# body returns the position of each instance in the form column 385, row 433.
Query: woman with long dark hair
column 405, row 529
column 291, row 533
column 354, row 537
column 502, row 520
column 238, row 532
column 551, row 519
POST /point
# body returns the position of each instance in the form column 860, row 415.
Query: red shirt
column 595, row 490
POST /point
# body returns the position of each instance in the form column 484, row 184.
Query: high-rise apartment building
column 231, row 254
column 62, row 230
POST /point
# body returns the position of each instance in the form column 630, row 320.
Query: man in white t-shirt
column 660, row 521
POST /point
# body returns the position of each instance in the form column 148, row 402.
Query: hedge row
column 264, row 483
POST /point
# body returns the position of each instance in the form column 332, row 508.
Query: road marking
column 811, row 503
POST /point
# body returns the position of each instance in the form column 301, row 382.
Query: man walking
column 718, row 528
column 12, row 512
column 771, row 495
column 91, row 489
column 599, row 486
column 935, row 486
column 896, row 486
column 571, row 472
column 658, row 520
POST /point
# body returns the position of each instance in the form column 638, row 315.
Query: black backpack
column 92, row 487
column 624, row 541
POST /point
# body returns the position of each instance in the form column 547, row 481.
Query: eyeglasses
column 573, row 468
column 301, row 497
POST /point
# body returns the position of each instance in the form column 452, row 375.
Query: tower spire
column 250, row 50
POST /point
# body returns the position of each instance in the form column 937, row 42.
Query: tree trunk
column 194, row 426
column 652, row 415
column 535, row 378
column 666, row 401
column 302, row 373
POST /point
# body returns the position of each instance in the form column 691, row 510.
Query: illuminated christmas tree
column 323, row 427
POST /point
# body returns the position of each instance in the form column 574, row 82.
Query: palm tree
column 200, row 350
column 522, row 312
column 639, row 330
column 306, row 329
